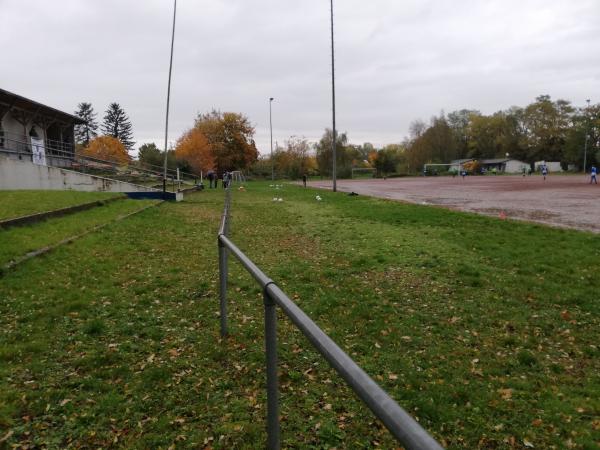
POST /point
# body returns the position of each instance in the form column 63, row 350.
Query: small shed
column 504, row 165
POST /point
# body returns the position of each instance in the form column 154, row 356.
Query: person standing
column 593, row 175
column 544, row 171
column 225, row 180
column 304, row 180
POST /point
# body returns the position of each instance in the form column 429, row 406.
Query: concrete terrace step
column 38, row 217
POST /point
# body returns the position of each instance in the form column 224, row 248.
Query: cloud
column 395, row 61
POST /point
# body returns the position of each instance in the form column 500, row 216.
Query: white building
column 52, row 131
column 500, row 165
column 552, row 166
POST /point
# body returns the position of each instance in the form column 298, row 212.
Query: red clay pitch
column 562, row 200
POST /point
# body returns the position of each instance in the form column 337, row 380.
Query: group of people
column 213, row 179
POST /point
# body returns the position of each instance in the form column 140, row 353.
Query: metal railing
column 22, row 143
column 63, row 156
column 402, row 426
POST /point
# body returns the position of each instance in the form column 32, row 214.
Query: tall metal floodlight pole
column 271, row 128
column 587, row 136
column 169, row 98
column 333, row 133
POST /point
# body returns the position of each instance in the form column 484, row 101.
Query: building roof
column 11, row 101
column 494, row 161
column 460, row 161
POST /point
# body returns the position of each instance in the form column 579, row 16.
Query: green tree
column 294, row 160
column 487, row 136
column 345, row 155
column 389, row 158
column 84, row 133
column 586, row 126
column 459, row 122
column 150, row 155
column 547, row 124
column 117, row 124
column 435, row 144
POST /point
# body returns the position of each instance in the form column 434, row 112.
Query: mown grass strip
column 38, row 217
column 26, row 202
column 17, row 242
column 49, row 248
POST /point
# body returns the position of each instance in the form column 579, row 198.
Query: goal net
column 363, row 170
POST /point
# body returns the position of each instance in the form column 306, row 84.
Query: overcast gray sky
column 396, row 61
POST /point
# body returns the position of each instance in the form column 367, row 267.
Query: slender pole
column 169, row 97
column 272, row 384
column 587, row 135
column 271, row 128
column 333, row 137
column 223, row 287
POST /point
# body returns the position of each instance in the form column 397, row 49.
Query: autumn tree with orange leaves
column 218, row 141
column 231, row 138
column 107, row 148
column 194, row 149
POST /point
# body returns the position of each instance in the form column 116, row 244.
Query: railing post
column 272, row 384
column 223, row 269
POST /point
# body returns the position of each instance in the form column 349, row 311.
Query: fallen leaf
column 506, row 394
column 6, row 436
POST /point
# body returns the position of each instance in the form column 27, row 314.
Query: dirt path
column 562, row 200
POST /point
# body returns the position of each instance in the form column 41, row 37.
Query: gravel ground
column 562, row 200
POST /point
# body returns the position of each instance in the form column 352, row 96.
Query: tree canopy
column 231, row 139
column 84, row 133
column 194, row 149
column 217, row 141
column 117, row 124
column 107, row 148
column 294, row 160
column 543, row 130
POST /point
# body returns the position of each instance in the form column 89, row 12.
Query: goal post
column 426, row 167
column 362, row 170
column 237, row 176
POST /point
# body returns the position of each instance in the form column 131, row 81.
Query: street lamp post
column 333, row 133
column 587, row 136
column 271, row 128
column 169, row 98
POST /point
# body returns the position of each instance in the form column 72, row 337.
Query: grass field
column 17, row 241
column 485, row 330
column 22, row 203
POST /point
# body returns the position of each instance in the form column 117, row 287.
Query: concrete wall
column 17, row 174
column 552, row 166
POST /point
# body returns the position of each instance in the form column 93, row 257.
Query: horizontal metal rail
column 89, row 161
column 404, row 428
